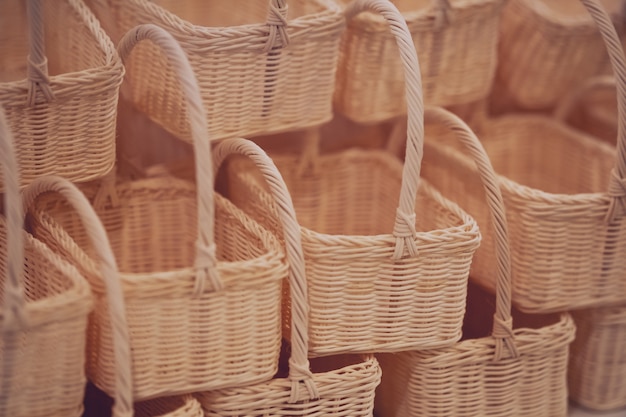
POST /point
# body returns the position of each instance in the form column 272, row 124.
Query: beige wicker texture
column 381, row 278
column 260, row 68
column 592, row 108
column 503, row 371
column 43, row 317
column 597, row 367
column 455, row 39
column 59, row 84
column 565, row 204
column 343, row 386
column 202, row 282
column 182, row 406
column 547, row 48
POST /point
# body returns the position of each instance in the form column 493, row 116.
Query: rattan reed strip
column 61, row 101
column 43, row 317
column 457, row 44
column 202, row 282
column 346, row 390
column 264, row 68
column 381, row 277
column 510, row 372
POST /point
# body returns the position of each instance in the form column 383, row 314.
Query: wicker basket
column 456, row 41
column 260, row 69
column 45, row 304
column 201, row 317
column 64, row 119
column 345, row 386
column 381, row 279
column 181, row 406
column 597, row 367
column 541, row 41
column 568, row 233
column 503, row 371
column 592, row 108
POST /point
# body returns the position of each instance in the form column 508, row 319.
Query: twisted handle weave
column 37, row 69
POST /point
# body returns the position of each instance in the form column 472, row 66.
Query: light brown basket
column 181, row 406
column 547, row 48
column 568, row 232
column 502, row 371
column 455, row 39
column 597, row 367
column 346, row 385
column 44, row 309
column 592, row 108
column 261, row 69
column 380, row 277
column 64, row 118
column 202, row 282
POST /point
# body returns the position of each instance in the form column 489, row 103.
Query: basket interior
column 540, row 154
column 70, row 45
column 357, row 193
column 160, row 406
column 221, row 13
column 42, row 277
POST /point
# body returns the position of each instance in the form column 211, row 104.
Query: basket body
column 465, row 381
column 47, row 375
column 597, row 116
column 457, row 61
column 540, row 42
column 245, row 90
column 597, row 367
column 72, row 136
column 553, row 181
column 180, row 343
column 346, row 386
column 183, row 406
column 361, row 300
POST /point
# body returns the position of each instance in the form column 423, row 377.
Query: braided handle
column 14, row 314
column 37, row 70
column 277, row 24
column 617, row 183
column 123, row 406
column 299, row 372
column 404, row 228
column 569, row 103
column 503, row 323
column 206, row 261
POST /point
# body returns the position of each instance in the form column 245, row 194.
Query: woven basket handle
column 569, row 103
column 299, row 372
column 404, row 228
column 277, row 24
column 206, row 263
column 617, row 183
column 14, row 314
column 503, row 323
column 123, row 406
column 37, row 70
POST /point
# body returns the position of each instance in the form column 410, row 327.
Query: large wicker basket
column 260, row 68
column 345, row 385
column 568, row 232
column 202, row 282
column 380, row 277
column 547, row 48
column 455, row 39
column 597, row 367
column 592, row 108
column 503, row 371
column 63, row 119
column 44, row 308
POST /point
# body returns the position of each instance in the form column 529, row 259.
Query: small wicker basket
column 44, row 308
column 506, row 371
column 546, row 49
column 568, row 232
column 381, row 279
column 63, row 119
column 261, row 69
column 345, row 386
column 455, row 39
column 202, row 282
